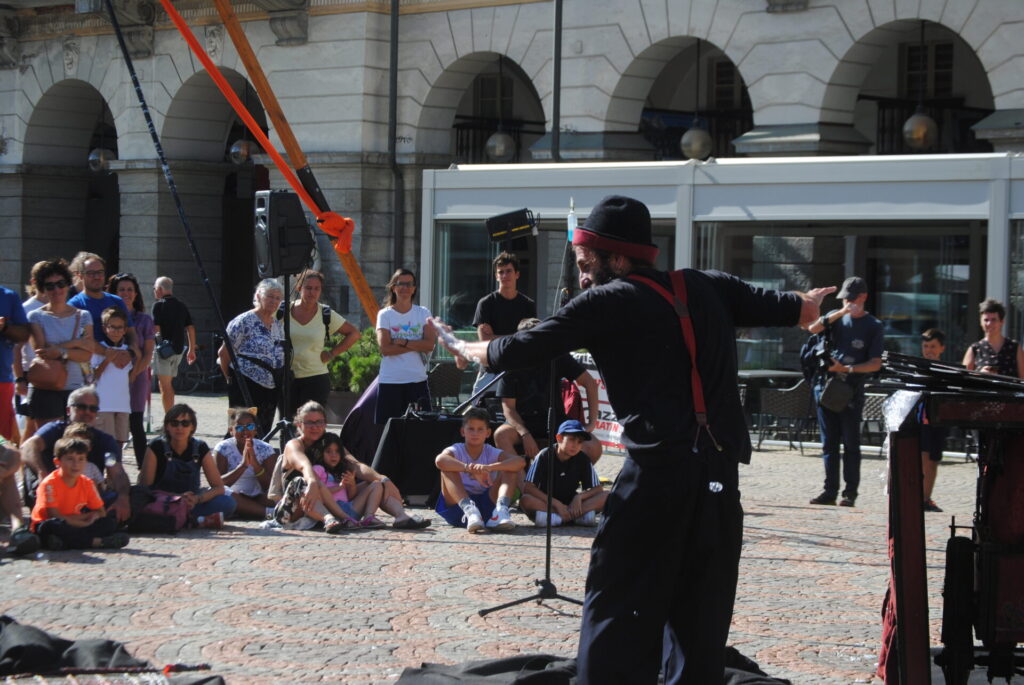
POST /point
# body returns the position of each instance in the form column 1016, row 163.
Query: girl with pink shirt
column 338, row 474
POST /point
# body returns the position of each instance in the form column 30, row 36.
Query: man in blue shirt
column 13, row 330
column 857, row 337
column 91, row 270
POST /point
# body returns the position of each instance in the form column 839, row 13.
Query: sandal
column 411, row 523
column 23, row 541
column 333, row 526
column 371, row 521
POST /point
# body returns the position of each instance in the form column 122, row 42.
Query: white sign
column 608, row 429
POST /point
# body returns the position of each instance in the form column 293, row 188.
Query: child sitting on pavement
column 339, row 475
column 69, row 513
column 477, row 478
column 573, row 471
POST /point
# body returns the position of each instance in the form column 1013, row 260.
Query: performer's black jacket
column 635, row 338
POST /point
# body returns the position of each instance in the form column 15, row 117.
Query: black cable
column 177, row 199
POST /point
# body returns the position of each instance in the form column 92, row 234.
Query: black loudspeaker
column 284, row 239
column 519, row 223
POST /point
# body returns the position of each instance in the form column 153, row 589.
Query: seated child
column 112, row 384
column 573, row 470
column 339, row 475
column 69, row 513
column 477, row 478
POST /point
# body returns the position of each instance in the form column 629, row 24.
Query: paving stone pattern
column 273, row 606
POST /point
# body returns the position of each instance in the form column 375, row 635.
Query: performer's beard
column 599, row 274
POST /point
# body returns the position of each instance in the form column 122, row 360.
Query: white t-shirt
column 113, row 388
column 411, row 366
column 247, row 483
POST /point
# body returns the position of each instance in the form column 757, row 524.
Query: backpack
column 810, row 355
column 156, row 511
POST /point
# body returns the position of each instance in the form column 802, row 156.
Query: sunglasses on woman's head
column 53, row 285
column 245, row 427
column 183, row 423
column 118, row 277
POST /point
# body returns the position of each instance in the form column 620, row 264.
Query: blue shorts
column 348, row 508
column 453, row 514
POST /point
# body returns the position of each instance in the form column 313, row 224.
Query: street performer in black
column 664, row 564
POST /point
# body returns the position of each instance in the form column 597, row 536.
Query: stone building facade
column 766, row 77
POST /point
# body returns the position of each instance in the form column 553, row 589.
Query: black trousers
column 137, row 426
column 264, row 399
column 312, row 388
column 75, row 537
column 663, row 571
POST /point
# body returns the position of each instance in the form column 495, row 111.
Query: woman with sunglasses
column 126, row 286
column 406, row 342
column 257, row 336
column 60, row 333
column 246, row 464
column 173, row 462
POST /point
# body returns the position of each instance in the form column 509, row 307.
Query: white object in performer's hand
column 448, row 339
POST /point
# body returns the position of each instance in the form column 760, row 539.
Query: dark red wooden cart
column 983, row 591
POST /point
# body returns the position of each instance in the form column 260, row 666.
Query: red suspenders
column 678, row 301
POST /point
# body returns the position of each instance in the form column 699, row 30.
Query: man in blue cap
column 857, row 339
column 664, row 563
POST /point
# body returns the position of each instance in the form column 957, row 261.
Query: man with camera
column 854, row 343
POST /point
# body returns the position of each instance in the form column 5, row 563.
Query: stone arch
column 199, row 120
column 880, row 46
column 448, row 93
column 71, row 205
column 63, row 121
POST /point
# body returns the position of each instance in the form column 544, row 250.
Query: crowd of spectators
column 77, row 359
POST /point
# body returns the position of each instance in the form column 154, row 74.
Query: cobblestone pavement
column 272, row 606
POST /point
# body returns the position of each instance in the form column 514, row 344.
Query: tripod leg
column 515, row 602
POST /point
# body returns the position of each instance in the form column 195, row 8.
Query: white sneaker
column 501, row 519
column 540, row 519
column 589, row 519
column 474, row 521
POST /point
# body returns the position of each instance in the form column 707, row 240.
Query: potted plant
column 351, row 373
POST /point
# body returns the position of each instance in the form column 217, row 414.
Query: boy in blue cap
column 573, row 471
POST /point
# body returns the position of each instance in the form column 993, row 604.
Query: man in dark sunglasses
column 104, row 454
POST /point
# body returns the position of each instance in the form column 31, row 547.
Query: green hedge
column 355, row 368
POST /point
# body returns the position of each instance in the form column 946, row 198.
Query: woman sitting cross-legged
column 246, row 465
column 173, row 462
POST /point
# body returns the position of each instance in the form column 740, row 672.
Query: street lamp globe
column 696, row 143
column 500, row 147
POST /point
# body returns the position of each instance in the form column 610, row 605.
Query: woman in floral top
column 258, row 338
column 995, row 353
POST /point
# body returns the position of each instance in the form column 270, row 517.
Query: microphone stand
column 545, row 587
